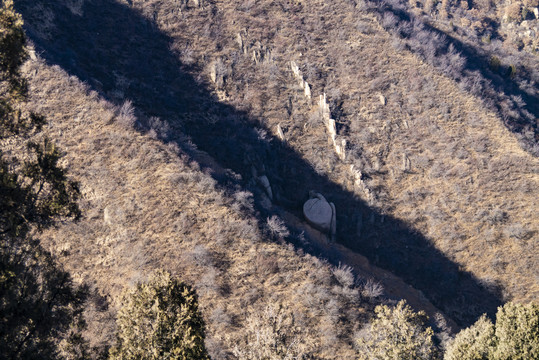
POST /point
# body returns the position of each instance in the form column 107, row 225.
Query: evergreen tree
column 517, row 332
column 40, row 308
column 397, row 333
column 160, row 320
column 515, row 336
column 474, row 343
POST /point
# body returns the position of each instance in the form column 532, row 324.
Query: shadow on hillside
column 111, row 41
column 505, row 86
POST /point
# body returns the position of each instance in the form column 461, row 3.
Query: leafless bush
column 272, row 334
column 267, row 265
column 514, row 12
column 208, row 283
column 244, row 201
column 200, row 256
column 277, row 227
column 327, row 328
column 516, row 231
column 160, row 127
column 125, row 115
column 372, row 289
column 344, row 275
column 389, row 20
column 496, row 216
column 75, row 6
column 220, row 317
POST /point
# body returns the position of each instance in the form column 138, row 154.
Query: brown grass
column 148, row 206
column 469, row 188
column 463, row 160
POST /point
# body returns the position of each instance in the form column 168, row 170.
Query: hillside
column 169, row 112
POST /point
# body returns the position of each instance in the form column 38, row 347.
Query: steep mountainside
column 428, row 180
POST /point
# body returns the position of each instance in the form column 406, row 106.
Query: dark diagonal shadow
column 507, row 88
column 112, row 40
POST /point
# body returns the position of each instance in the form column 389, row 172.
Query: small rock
column 382, row 100
column 307, row 90
column 406, row 163
column 280, row 132
column 213, row 73
column 107, row 218
column 32, row 54
column 264, row 181
column 239, row 41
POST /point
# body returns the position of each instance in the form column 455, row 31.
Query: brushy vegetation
column 515, row 335
column 160, row 320
column 397, row 333
column 177, row 113
column 40, row 307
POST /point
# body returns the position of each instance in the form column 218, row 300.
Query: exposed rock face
column 280, row 132
column 340, row 149
column 338, row 144
column 239, row 41
column 324, row 107
column 307, row 90
column 301, row 81
column 360, row 184
column 264, row 182
column 321, row 214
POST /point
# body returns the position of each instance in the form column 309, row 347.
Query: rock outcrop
column 321, row 214
column 338, row 144
column 301, row 81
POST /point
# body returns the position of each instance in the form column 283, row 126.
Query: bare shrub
column 160, row 127
column 208, row 283
column 496, row 216
column 344, row 275
column 200, row 256
column 125, row 115
column 277, row 227
column 267, row 265
column 514, row 12
column 372, row 289
column 516, row 231
column 244, row 201
column 272, row 334
column 75, row 6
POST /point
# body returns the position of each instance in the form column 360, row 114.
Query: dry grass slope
column 148, row 206
column 445, row 188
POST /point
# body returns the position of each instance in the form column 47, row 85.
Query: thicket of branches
column 40, row 306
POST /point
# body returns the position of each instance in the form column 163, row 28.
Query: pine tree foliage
column 159, row 319
column 397, row 333
column 40, row 307
column 517, row 332
column 473, row 343
column 514, row 336
column 40, row 191
column 12, row 50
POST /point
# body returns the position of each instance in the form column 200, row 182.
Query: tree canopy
column 40, row 307
column 515, row 335
column 159, row 319
column 397, row 333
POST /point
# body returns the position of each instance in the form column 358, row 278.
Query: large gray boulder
column 318, row 212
